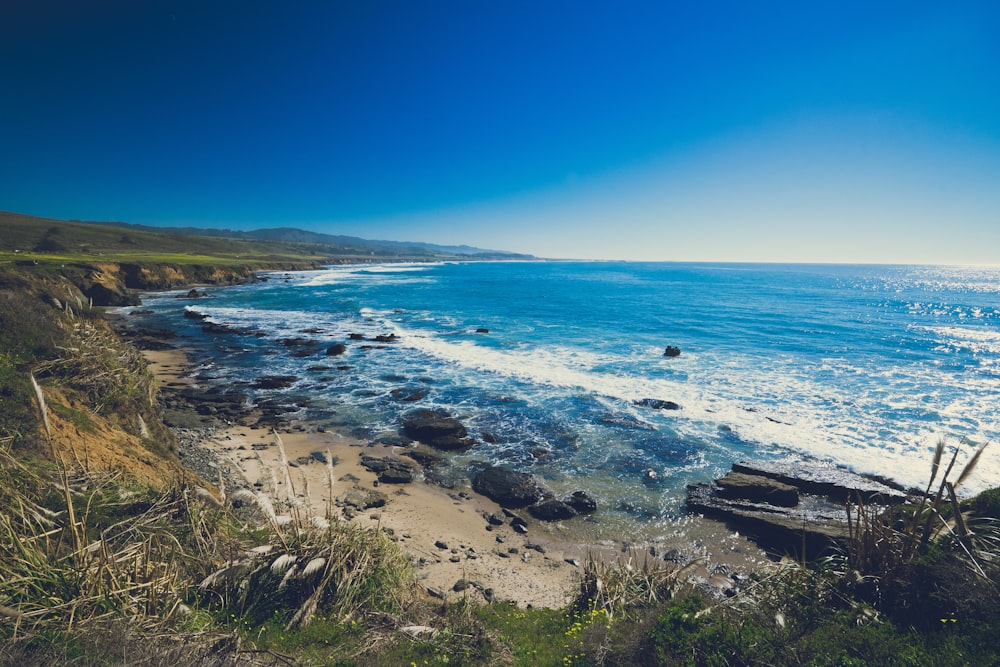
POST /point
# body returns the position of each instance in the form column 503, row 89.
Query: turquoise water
column 866, row 366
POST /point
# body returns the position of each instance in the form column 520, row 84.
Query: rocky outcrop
column 741, row 486
column 824, row 479
column 672, row 351
column 789, row 508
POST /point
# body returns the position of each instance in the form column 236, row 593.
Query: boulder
column 336, row 350
column 362, row 499
column 436, row 429
column 551, row 510
column 507, row 487
column 581, row 502
column 672, row 351
column 274, row 382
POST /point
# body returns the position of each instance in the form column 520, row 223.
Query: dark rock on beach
column 389, row 469
column 436, row 429
column 507, row 487
column 551, row 510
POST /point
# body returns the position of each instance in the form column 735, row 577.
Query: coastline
column 457, row 552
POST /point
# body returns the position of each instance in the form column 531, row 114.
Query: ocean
column 549, row 365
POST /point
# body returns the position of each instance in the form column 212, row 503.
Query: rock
column 440, row 544
column 507, row 487
column 759, row 499
column 482, row 330
column 336, row 350
column 355, row 336
column 425, row 459
column 194, row 315
column 824, row 479
column 436, row 429
column 816, row 524
column 758, row 489
column 319, row 457
column 389, row 469
column 581, row 502
column 364, row 500
column 656, row 404
column 551, row 510
column 436, row 592
column 274, row 382
column 385, row 338
column 408, row 395
column 672, row 351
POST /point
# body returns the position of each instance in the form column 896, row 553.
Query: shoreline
column 457, row 552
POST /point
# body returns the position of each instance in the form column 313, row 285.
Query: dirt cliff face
column 99, row 395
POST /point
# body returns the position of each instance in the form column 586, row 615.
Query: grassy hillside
column 27, row 238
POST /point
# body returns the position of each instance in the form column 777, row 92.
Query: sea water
column 547, row 364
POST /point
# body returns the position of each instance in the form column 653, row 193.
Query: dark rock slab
column 758, row 498
column 756, row 488
column 507, row 487
column 815, row 525
column 823, row 479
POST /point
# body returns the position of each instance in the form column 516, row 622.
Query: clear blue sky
column 790, row 131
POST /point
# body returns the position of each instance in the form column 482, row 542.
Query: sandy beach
column 447, row 533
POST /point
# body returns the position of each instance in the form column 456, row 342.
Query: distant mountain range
column 20, row 233
column 301, row 236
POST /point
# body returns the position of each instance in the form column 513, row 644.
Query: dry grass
column 883, row 541
column 632, row 581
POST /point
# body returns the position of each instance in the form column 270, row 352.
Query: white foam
column 368, row 272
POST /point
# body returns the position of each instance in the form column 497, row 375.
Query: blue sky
column 755, row 131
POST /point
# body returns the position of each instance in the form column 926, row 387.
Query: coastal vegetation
column 112, row 553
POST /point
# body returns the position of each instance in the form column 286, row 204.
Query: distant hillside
column 299, row 236
column 29, row 234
